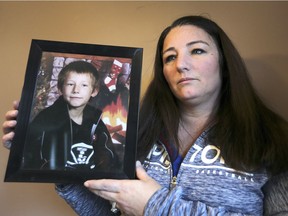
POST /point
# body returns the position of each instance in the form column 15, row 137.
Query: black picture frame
column 50, row 57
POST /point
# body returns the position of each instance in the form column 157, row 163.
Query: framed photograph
column 78, row 114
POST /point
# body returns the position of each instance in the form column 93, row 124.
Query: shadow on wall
column 271, row 81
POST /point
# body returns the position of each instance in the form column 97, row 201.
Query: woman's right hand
column 9, row 124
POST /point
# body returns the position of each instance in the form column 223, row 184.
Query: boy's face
column 78, row 88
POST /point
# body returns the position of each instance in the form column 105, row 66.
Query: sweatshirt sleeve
column 276, row 195
column 165, row 202
column 84, row 202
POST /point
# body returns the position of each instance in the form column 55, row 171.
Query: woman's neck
column 191, row 125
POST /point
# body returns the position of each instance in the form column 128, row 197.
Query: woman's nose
column 183, row 63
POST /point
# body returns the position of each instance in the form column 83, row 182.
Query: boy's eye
column 197, row 51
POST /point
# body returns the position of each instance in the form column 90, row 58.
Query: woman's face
column 191, row 65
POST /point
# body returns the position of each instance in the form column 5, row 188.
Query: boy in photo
column 70, row 133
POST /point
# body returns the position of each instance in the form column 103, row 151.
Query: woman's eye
column 69, row 84
column 198, row 51
column 169, row 58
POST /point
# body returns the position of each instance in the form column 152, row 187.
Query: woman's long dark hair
column 249, row 134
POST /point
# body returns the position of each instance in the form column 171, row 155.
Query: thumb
column 16, row 104
column 140, row 171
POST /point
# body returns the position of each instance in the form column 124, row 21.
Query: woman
column 208, row 145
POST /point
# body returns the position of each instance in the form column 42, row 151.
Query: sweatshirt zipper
column 173, row 177
column 175, row 165
column 173, row 182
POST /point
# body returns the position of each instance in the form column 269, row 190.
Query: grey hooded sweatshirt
column 204, row 185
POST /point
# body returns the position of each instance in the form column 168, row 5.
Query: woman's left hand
column 131, row 196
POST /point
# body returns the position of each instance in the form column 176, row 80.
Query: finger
column 7, row 144
column 103, row 185
column 7, row 140
column 111, row 196
column 140, row 172
column 8, row 137
column 8, row 126
column 16, row 104
column 103, row 188
column 11, row 115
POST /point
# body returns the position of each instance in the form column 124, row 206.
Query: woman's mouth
column 186, row 79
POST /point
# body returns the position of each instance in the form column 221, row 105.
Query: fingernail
column 138, row 163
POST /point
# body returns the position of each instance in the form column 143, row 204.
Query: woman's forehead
column 186, row 34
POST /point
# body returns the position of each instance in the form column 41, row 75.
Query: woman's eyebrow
column 196, row 42
column 188, row 44
column 167, row 50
